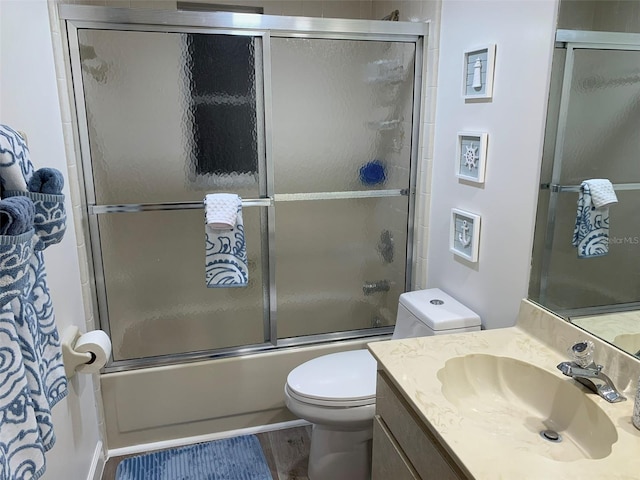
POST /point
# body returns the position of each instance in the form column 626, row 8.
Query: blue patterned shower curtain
column 32, row 378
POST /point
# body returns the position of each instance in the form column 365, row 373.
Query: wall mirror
column 592, row 129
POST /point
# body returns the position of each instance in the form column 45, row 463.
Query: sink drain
column 551, row 436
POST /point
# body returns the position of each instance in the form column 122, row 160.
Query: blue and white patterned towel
column 32, row 378
column 15, row 164
column 226, row 255
column 50, row 219
column 15, row 255
column 591, row 232
column 21, row 445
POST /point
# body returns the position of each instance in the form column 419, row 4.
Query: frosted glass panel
column 342, row 114
column 154, row 277
column 326, row 252
column 602, row 126
column 607, row 280
column 171, row 116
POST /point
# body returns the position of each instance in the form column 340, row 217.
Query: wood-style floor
column 286, row 451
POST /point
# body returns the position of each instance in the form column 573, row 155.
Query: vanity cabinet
column 403, row 447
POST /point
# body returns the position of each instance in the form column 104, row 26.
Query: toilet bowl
column 336, row 392
column 340, row 406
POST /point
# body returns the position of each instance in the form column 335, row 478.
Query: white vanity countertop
column 478, row 443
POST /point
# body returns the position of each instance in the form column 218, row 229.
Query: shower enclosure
column 313, row 122
column 592, row 132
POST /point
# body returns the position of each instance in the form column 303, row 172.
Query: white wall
column 523, row 31
column 29, row 103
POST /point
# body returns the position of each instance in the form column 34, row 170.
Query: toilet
column 337, row 392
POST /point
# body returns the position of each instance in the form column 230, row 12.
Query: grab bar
column 576, row 188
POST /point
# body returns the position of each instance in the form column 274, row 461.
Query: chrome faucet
column 386, row 246
column 369, row 288
column 584, row 370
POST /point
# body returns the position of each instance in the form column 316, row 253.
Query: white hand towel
column 222, row 210
column 602, row 193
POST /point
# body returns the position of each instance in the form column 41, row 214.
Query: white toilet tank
column 432, row 312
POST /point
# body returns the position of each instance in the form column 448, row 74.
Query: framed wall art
column 479, row 65
column 471, row 156
column 464, row 236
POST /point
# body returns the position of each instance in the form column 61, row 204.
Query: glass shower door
column 317, row 134
column 171, row 117
column 342, row 138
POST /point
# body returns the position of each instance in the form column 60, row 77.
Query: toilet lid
column 338, row 377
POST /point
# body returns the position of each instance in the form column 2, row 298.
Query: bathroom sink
column 527, row 406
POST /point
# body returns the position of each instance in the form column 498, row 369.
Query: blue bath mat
column 237, row 458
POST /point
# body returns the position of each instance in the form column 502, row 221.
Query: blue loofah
column 373, row 173
column 46, row 180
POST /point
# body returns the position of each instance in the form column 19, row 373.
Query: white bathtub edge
column 180, row 442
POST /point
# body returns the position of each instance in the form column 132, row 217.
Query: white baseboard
column 179, row 442
column 97, row 463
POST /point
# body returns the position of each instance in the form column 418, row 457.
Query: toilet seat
column 344, row 379
column 329, row 403
column 343, row 418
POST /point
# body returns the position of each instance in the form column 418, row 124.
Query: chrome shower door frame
column 74, row 17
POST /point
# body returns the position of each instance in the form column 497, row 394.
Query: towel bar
column 252, row 202
column 346, row 195
column 148, row 207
